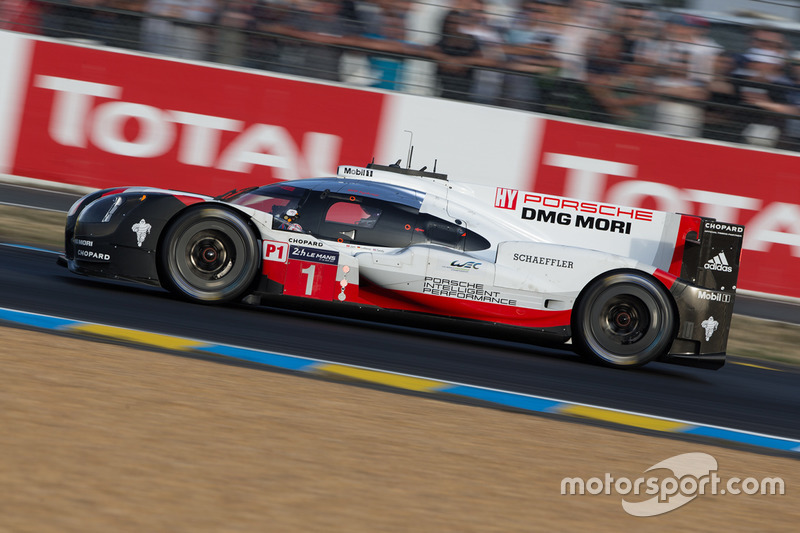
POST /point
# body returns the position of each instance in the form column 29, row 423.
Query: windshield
column 277, row 200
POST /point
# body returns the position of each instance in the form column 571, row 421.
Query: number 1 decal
column 310, row 272
column 310, row 281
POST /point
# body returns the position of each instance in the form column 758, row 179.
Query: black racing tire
column 624, row 319
column 210, row 255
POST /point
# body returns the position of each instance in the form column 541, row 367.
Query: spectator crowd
column 623, row 63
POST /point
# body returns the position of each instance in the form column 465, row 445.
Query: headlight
column 102, row 210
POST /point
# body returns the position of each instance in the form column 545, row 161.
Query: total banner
column 100, row 117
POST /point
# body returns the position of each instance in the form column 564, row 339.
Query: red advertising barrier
column 95, row 117
column 758, row 189
column 102, row 118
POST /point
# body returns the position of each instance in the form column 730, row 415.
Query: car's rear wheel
column 209, row 254
column 624, row 319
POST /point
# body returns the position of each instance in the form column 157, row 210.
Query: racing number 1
column 310, row 281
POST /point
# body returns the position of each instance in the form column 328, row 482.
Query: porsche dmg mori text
column 616, row 284
column 568, row 204
column 580, row 221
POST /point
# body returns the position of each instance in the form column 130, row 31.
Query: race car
column 624, row 286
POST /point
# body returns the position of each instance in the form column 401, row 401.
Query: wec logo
column 466, row 265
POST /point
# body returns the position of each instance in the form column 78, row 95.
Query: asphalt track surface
column 737, row 396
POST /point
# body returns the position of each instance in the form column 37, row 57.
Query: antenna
column 410, row 147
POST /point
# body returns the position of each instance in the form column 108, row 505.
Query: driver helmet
column 291, row 215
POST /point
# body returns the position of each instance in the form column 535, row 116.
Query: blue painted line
column 25, row 247
column 509, row 399
column 35, row 320
column 764, row 441
column 287, row 362
column 521, row 401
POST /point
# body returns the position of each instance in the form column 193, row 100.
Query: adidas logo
column 719, row 263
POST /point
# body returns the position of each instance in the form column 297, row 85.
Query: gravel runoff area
column 103, row 437
column 749, row 337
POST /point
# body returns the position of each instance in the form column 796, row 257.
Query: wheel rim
column 210, row 255
column 211, row 259
column 623, row 321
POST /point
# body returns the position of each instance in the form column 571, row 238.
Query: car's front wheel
column 209, row 254
column 624, row 319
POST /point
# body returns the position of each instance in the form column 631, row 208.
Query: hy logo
column 506, row 198
column 719, row 263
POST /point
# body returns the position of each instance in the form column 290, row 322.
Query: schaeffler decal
column 316, row 256
column 463, row 290
column 545, row 261
column 710, row 325
column 141, row 229
column 343, row 284
column 719, row 263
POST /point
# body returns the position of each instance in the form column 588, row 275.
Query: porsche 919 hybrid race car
column 626, row 285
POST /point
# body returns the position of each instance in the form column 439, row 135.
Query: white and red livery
column 626, row 285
